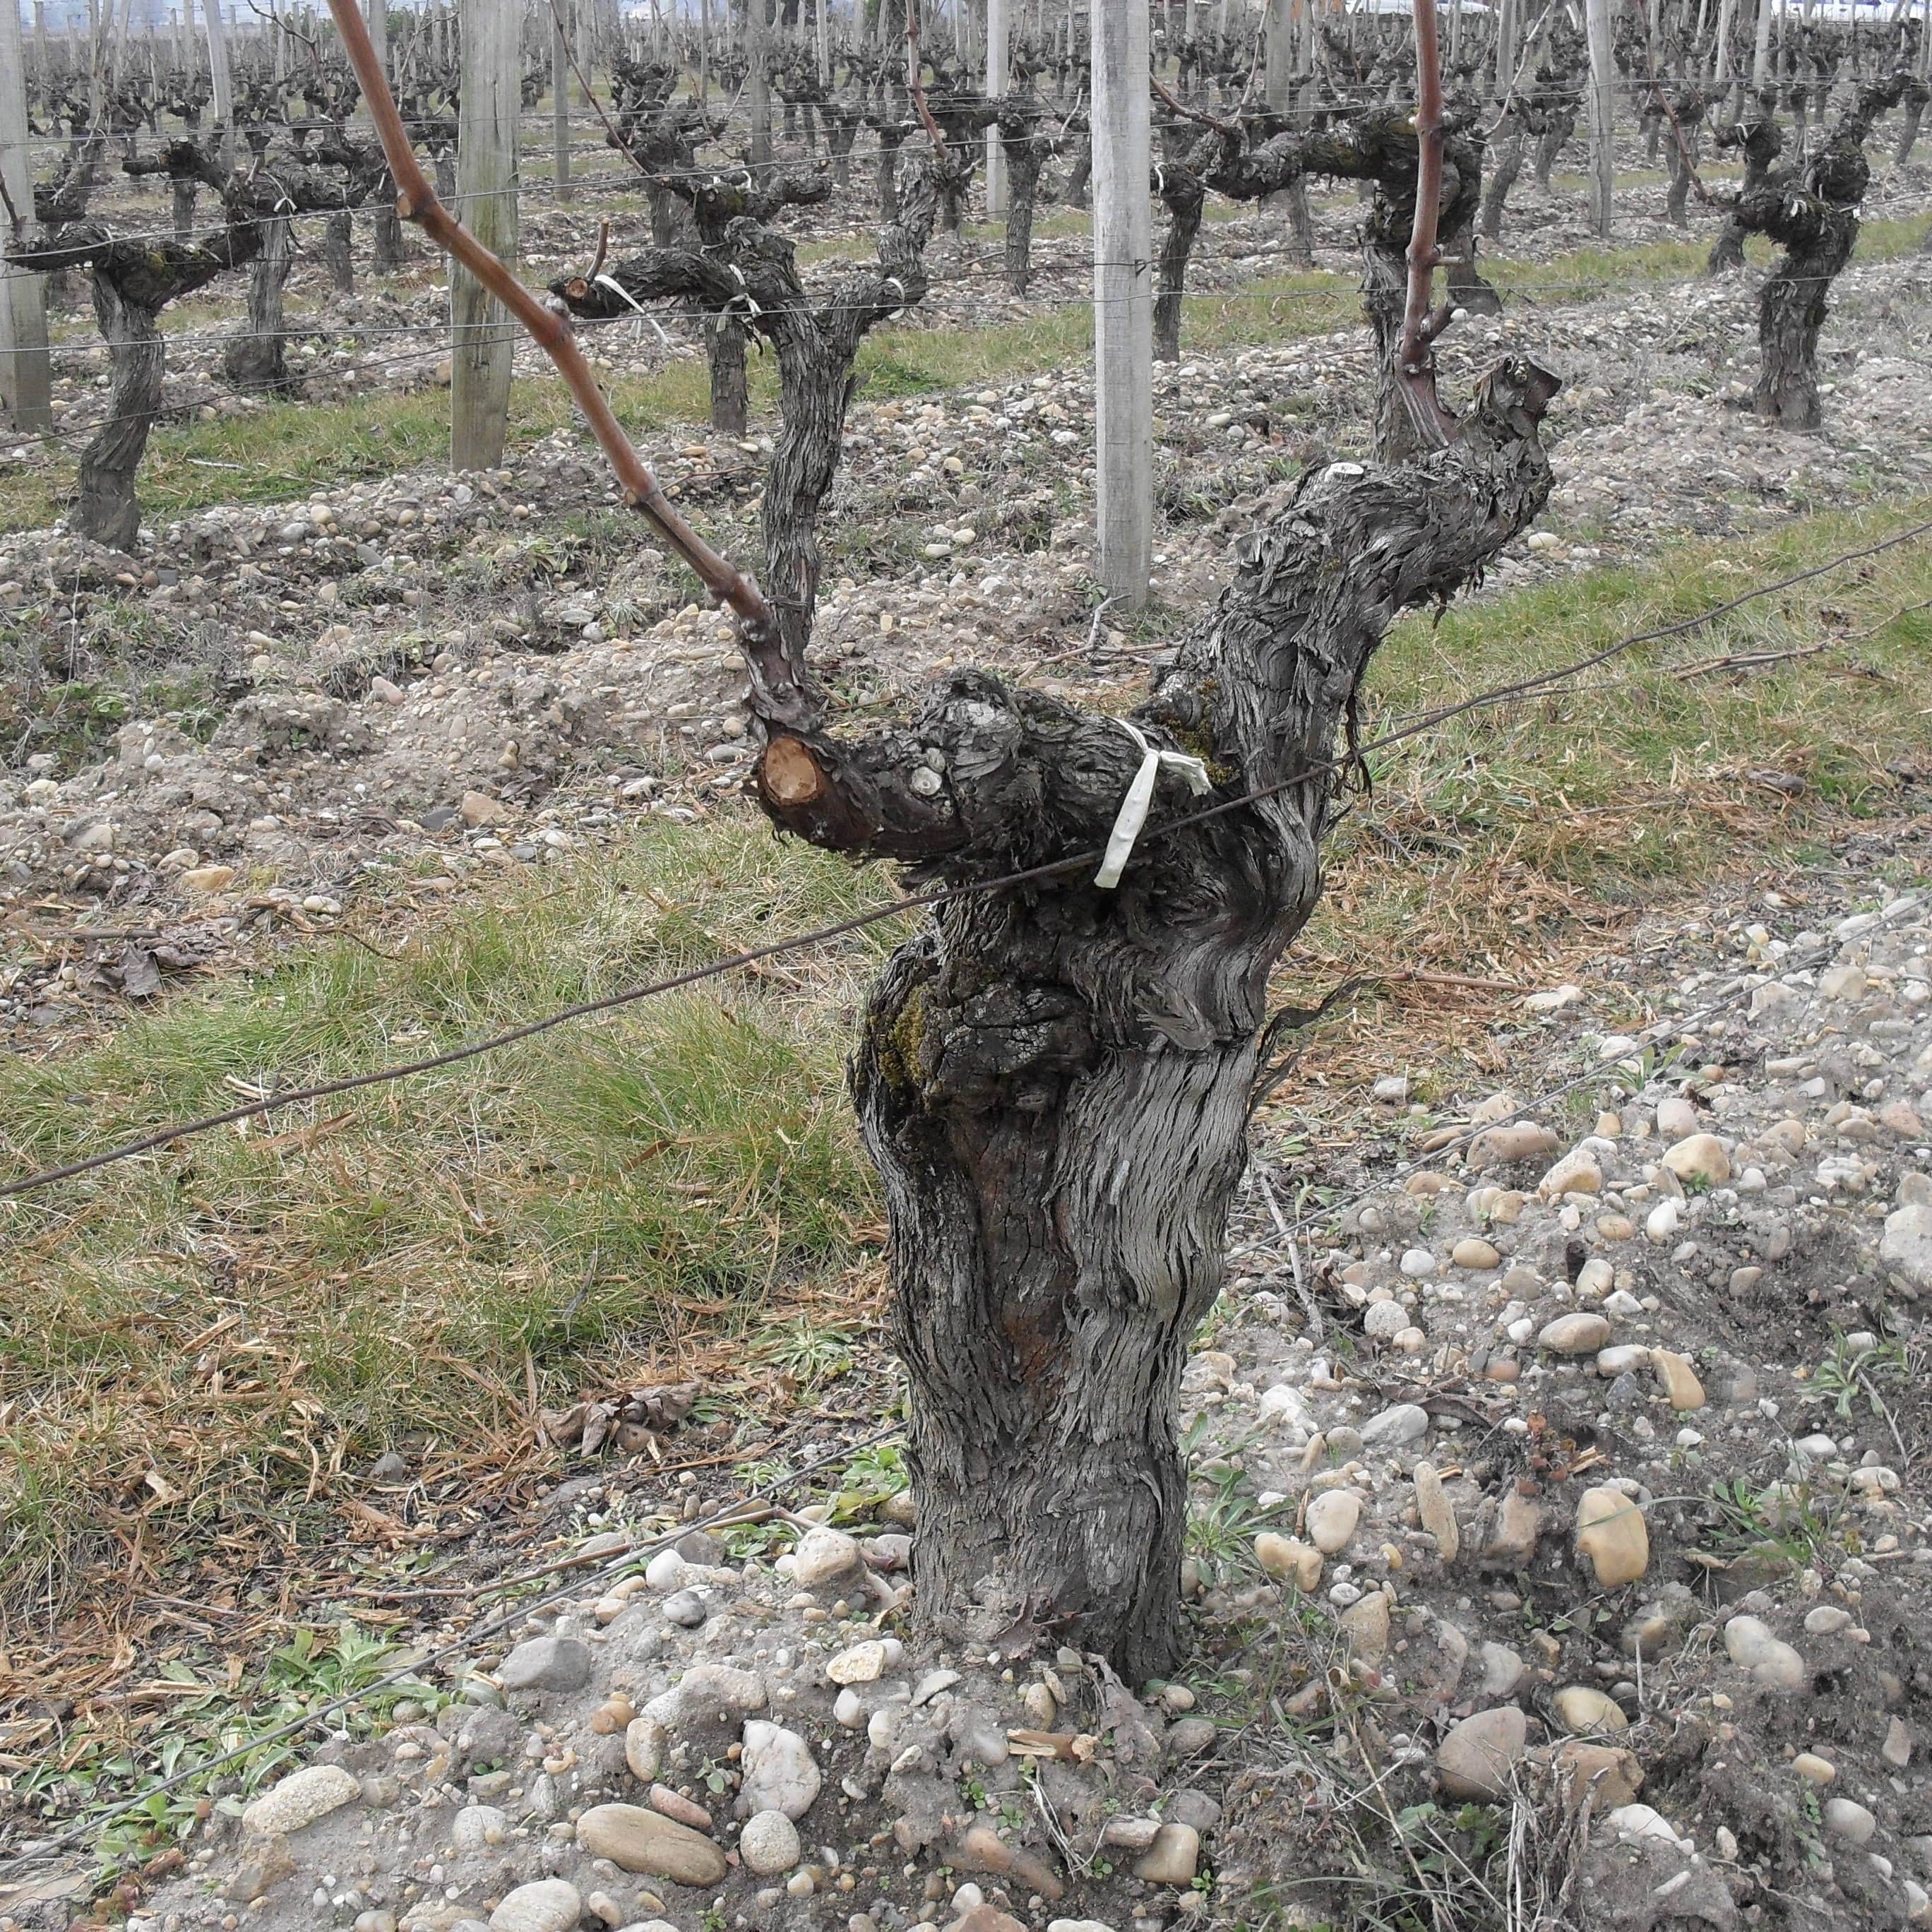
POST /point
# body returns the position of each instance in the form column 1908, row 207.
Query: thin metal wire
column 1533, row 686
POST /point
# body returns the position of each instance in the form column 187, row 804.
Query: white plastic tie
column 623, row 294
column 1134, row 808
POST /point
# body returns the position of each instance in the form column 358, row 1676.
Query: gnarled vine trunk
column 1055, row 1082
column 1467, row 288
column 730, row 389
column 891, row 137
column 1816, row 221
column 1502, row 178
column 841, row 131
column 338, row 251
column 1300, row 249
column 256, row 359
column 133, row 281
column 1550, row 143
column 1080, row 176
column 1677, row 196
column 1916, row 96
column 1058, row 1180
column 105, row 508
column 666, row 216
column 386, row 240
column 1184, row 196
column 1792, row 309
column 1026, row 152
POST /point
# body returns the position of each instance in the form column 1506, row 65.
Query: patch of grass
column 208, row 1718
column 1495, row 836
column 195, row 1343
column 1850, row 1375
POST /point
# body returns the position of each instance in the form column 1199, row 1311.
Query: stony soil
column 1561, row 1488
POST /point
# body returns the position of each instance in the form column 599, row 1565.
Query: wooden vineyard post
column 481, row 342
column 997, row 36
column 1603, row 118
column 758, row 83
column 26, row 380
column 1720, row 68
column 222, row 86
column 1761, row 46
column 559, row 97
column 1123, row 300
column 1278, row 55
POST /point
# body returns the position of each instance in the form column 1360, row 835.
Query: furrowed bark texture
column 730, row 385
column 1550, row 143
column 1818, row 241
column 1816, row 223
column 1184, row 196
column 1916, row 94
column 1467, row 289
column 1761, row 141
column 1077, row 191
column 338, row 251
column 1054, row 1081
column 1502, row 178
column 1300, row 250
column 1689, row 104
column 891, row 136
column 256, row 359
column 1026, row 148
column 386, row 240
column 105, row 508
column 840, row 135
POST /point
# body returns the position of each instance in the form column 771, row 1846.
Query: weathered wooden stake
column 1603, row 123
column 1278, row 55
column 26, row 381
column 1761, row 48
column 1123, row 299
column 559, row 97
column 480, row 343
column 758, row 82
column 998, row 38
column 222, row 87
column 377, row 13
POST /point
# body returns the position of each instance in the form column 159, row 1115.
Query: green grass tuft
column 384, row 1265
